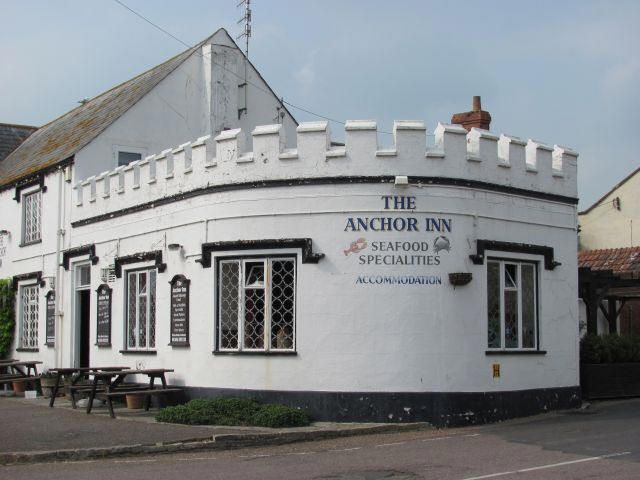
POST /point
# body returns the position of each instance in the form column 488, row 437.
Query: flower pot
column 18, row 387
column 135, row 402
column 47, row 384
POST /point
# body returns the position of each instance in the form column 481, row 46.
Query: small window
column 31, row 217
column 256, row 304
column 83, row 276
column 511, row 305
column 141, row 310
column 29, row 316
column 125, row 158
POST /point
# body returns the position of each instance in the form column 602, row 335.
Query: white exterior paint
column 349, row 337
column 197, row 98
column 604, row 226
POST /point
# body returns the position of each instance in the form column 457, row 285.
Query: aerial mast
column 246, row 33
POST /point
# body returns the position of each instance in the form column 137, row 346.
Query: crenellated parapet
column 478, row 155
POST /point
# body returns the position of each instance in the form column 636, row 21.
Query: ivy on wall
column 7, row 315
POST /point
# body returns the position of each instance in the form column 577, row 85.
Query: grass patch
column 234, row 411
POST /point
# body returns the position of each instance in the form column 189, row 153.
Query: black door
column 84, row 297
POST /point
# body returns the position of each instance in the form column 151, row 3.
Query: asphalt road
column 605, row 444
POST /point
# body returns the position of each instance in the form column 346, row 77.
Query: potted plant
column 47, row 382
column 135, row 401
column 18, row 387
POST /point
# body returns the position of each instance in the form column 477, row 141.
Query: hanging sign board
column 51, row 319
column 103, row 329
column 179, row 311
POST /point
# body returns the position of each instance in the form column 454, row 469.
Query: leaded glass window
column 511, row 304
column 29, row 317
column 31, row 217
column 256, row 304
column 141, row 309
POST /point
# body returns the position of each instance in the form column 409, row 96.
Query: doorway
column 82, row 315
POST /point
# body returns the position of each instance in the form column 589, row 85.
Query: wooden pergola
column 607, row 279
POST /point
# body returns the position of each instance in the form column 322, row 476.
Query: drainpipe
column 59, row 239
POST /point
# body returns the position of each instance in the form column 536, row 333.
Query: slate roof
column 613, row 189
column 621, row 261
column 11, row 136
column 63, row 137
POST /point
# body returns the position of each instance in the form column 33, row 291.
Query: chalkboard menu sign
column 51, row 319
column 179, row 311
column 104, row 316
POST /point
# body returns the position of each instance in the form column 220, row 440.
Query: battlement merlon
column 477, row 155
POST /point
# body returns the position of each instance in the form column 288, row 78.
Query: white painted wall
column 350, row 337
column 604, row 226
column 180, row 107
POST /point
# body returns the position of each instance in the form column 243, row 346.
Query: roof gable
column 613, row 189
column 11, row 136
column 63, row 137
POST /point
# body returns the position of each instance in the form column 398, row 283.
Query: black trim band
column 344, row 180
column 482, row 245
column 78, row 251
column 438, row 408
column 25, row 349
column 306, row 244
column 139, row 257
column 261, row 353
column 37, row 276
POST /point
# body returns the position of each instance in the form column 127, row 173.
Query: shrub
column 233, row 411
column 7, row 316
column 609, row 349
column 276, row 416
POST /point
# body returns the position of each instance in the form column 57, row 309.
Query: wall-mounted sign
column 179, row 311
column 103, row 330
column 423, row 241
column 50, row 328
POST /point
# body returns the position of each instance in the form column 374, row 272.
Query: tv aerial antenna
column 246, row 20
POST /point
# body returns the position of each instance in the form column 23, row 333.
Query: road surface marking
column 300, row 453
column 195, row 458
column 345, row 449
column 551, row 465
column 134, row 461
column 253, row 456
column 435, row 439
column 472, row 435
column 390, row 444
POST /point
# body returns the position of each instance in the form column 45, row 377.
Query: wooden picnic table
column 21, row 371
column 114, row 387
column 70, row 371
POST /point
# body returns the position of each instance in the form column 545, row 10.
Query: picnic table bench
column 114, row 387
column 21, row 371
column 83, row 372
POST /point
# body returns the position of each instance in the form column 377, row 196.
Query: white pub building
column 185, row 220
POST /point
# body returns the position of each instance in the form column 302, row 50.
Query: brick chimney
column 475, row 118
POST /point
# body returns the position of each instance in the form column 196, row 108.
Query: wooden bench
column 147, row 392
column 88, row 388
column 18, row 378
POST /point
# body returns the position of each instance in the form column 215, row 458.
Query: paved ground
column 36, row 427
column 557, row 446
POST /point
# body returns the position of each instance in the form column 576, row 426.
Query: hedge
column 233, row 411
column 609, row 349
column 7, row 316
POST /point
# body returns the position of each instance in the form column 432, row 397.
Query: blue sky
column 562, row 72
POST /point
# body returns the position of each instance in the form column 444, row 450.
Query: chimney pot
column 477, row 117
column 476, row 104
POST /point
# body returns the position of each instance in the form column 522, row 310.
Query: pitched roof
column 11, row 136
column 66, row 135
column 621, row 261
column 613, row 189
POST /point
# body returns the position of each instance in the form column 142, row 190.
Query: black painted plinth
column 438, row 408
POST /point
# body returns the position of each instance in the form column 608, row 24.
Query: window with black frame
column 512, row 305
column 141, row 309
column 256, row 304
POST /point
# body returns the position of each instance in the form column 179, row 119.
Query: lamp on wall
column 176, row 247
column 401, row 181
column 4, row 232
